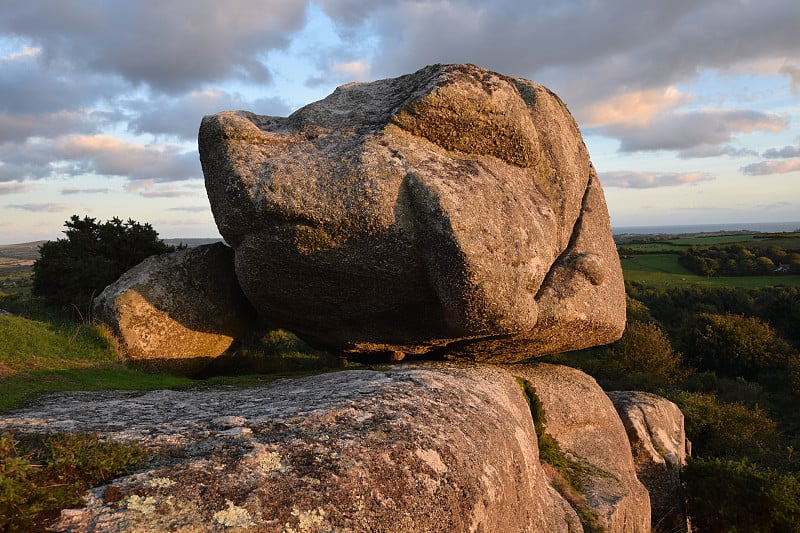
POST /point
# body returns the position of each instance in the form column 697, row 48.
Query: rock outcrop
column 176, row 312
column 583, row 421
column 658, row 441
column 453, row 209
column 412, row 448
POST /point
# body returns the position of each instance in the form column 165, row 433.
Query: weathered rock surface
column 176, row 312
column 418, row 213
column 412, row 448
column 587, row 428
column 658, row 441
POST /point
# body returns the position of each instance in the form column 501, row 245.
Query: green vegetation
column 738, row 260
column 71, row 271
column 726, row 349
column 40, row 475
column 729, row 495
column 39, row 356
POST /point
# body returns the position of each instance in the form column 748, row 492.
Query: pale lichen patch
column 233, row 516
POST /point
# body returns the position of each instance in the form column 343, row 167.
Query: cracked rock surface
column 413, row 448
column 450, row 210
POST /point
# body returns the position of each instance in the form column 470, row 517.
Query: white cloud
column 765, row 168
column 40, row 207
column 694, row 132
column 354, row 70
column 649, row 180
column 636, row 108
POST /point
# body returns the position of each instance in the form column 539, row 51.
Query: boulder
column 451, row 210
column 176, row 312
column 588, row 430
column 413, row 448
column 658, row 441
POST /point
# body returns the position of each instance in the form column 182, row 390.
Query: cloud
column 694, row 133
column 354, row 70
column 180, row 116
column 608, row 45
column 765, row 168
column 782, row 153
column 40, row 208
column 149, row 189
column 649, row 180
column 77, row 190
column 633, row 109
column 105, row 155
column 170, row 45
column 793, row 71
column 14, row 188
column 191, row 209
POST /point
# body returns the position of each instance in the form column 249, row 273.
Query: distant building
column 783, row 267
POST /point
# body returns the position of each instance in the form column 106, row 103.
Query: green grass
column 663, row 270
column 38, row 356
column 40, row 475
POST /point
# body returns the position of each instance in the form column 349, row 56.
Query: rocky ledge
column 413, row 448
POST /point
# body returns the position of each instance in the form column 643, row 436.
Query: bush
column 735, row 496
column 726, row 429
column 734, row 345
column 73, row 270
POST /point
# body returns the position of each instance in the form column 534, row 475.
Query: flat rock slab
column 453, row 210
column 412, row 448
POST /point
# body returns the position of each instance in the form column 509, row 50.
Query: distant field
column 663, row 270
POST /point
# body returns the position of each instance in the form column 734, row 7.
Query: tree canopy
column 72, row 270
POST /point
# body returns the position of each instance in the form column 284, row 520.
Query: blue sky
column 690, row 108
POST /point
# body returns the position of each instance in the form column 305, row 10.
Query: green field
column 663, row 270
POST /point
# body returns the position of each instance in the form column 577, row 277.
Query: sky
column 690, row 109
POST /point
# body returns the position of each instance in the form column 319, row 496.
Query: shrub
column 71, row 271
column 735, row 496
column 734, row 345
column 725, row 429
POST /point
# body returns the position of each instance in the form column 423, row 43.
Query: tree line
column 739, row 260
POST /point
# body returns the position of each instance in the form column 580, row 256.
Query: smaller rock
column 584, row 423
column 177, row 312
column 658, row 441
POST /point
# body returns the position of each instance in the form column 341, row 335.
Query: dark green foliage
column 719, row 429
column 735, row 345
column 40, row 475
column 72, row 270
column 735, row 496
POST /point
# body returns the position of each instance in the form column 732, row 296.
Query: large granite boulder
column 453, row 209
column 177, row 312
column 413, row 448
column 660, row 447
